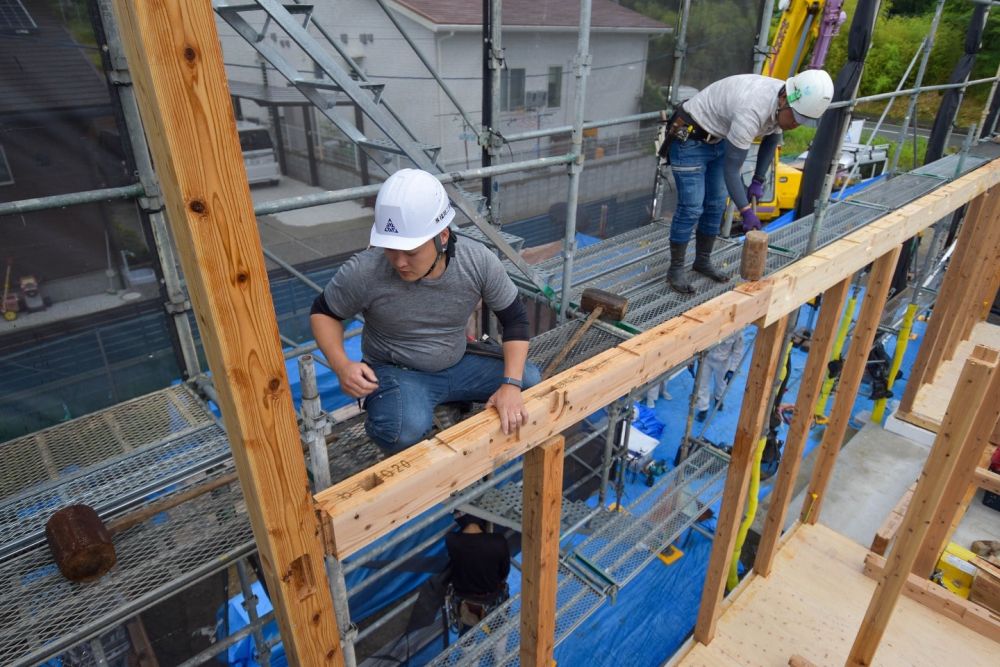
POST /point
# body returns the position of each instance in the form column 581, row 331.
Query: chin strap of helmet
column 442, row 251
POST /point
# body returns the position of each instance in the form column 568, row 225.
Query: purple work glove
column 750, row 220
column 756, row 190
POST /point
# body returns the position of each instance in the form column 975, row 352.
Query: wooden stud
column 543, row 475
column 821, row 343
column 942, row 333
column 176, row 65
column 753, row 416
column 956, row 497
column 879, row 281
column 964, row 418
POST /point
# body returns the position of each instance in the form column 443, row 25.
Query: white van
column 258, row 154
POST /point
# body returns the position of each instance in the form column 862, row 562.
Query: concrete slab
column 873, row 471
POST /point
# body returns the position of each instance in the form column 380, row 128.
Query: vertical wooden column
column 820, row 346
column 543, row 476
column 876, row 292
column 956, row 496
column 176, row 65
column 967, row 417
column 753, row 416
column 950, row 309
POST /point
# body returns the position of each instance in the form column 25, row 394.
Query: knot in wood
column 190, row 54
column 197, row 206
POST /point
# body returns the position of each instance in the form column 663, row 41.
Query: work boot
column 675, row 274
column 701, row 415
column 703, row 258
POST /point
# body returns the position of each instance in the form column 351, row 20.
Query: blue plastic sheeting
column 329, row 386
column 647, row 422
column 234, row 616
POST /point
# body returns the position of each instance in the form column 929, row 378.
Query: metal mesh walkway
column 619, row 548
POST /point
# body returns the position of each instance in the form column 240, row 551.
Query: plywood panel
column 812, row 604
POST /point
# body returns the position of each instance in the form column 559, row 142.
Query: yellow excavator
column 806, row 27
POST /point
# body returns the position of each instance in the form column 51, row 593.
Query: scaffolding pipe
column 250, row 605
column 221, row 645
column 680, row 50
column 582, row 69
column 314, row 424
column 71, row 199
column 921, row 70
column 614, row 413
column 177, row 305
column 348, row 194
column 762, row 50
column 589, row 125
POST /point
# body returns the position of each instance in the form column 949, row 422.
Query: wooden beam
column 955, row 499
column 939, row 599
column 543, row 476
column 986, row 277
column 979, row 383
column 176, row 65
column 940, row 339
column 371, row 503
column 876, row 291
column 820, row 346
column 987, row 479
column 753, row 416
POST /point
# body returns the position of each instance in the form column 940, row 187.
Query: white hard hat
column 411, row 208
column 809, row 93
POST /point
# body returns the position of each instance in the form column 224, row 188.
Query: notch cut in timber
column 462, row 454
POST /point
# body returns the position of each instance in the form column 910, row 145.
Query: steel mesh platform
column 622, row 546
column 42, row 614
column 504, row 506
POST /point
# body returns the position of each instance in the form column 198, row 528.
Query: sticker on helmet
column 389, row 227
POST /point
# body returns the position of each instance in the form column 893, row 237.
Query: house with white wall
column 538, row 83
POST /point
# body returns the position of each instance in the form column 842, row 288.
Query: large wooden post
column 949, row 320
column 753, row 416
column 876, row 292
column 971, row 414
column 175, row 60
column 543, row 475
column 820, row 346
column 955, row 498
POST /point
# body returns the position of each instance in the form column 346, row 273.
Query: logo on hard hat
column 389, row 227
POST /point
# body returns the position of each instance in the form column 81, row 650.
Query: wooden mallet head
column 613, row 306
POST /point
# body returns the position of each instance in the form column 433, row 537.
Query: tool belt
column 469, row 609
column 680, row 127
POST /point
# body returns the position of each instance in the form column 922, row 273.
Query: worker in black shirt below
column 480, row 563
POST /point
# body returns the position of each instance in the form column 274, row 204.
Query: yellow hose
column 754, row 489
column 902, row 340
column 838, row 347
column 741, row 536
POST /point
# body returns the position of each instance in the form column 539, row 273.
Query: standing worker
column 707, row 140
column 721, row 364
column 416, row 288
column 480, row 563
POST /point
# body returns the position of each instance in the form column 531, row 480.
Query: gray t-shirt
column 421, row 324
column 739, row 108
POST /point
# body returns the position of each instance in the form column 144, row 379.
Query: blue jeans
column 401, row 410
column 701, row 188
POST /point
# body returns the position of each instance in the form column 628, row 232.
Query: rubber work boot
column 703, row 258
column 675, row 274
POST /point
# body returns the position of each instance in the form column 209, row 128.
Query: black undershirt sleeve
column 514, row 321
column 320, row 307
column 734, row 180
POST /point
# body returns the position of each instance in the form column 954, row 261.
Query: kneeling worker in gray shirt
column 416, row 288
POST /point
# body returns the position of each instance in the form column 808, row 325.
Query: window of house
column 512, row 89
column 6, row 175
column 555, row 87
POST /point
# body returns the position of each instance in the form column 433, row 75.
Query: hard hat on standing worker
column 412, row 207
column 809, row 94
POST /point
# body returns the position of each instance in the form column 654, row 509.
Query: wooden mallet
column 81, row 542
column 597, row 303
column 753, row 260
